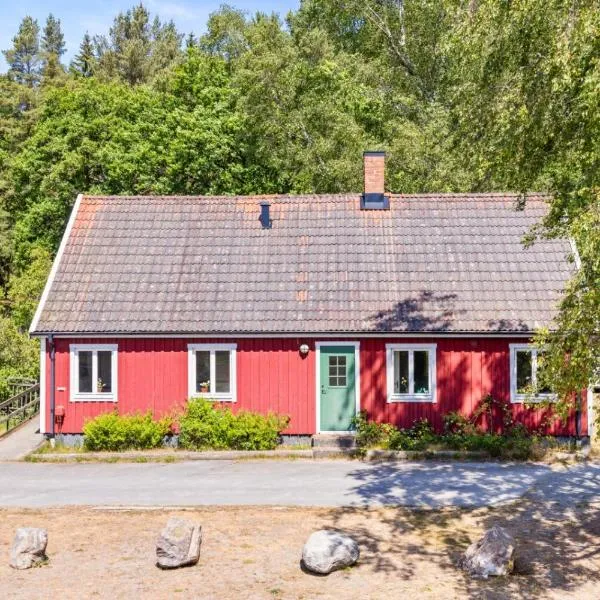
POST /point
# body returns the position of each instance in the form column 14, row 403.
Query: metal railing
column 20, row 407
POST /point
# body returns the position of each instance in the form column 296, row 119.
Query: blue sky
column 95, row 16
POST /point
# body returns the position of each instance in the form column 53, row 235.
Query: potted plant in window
column 204, row 387
column 100, row 385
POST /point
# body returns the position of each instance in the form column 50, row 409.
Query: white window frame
column 392, row 397
column 516, row 397
column 230, row 396
column 75, row 394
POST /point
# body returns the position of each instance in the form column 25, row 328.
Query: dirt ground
column 254, row 552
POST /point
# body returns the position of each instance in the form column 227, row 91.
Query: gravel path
column 326, row 483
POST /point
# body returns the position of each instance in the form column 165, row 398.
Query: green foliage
column 418, row 437
column 25, row 288
column 459, row 434
column 52, row 48
column 526, row 78
column 19, row 356
column 114, row 432
column 456, row 423
column 205, row 426
column 475, row 96
column 84, row 63
column 23, row 58
column 136, row 50
column 370, row 434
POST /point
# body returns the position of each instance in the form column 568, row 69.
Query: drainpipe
column 52, row 384
column 578, row 418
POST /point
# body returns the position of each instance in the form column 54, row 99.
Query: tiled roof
column 432, row 263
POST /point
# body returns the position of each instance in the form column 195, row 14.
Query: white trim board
column 318, row 346
column 591, row 414
column 516, row 398
column 43, row 385
column 76, row 396
column 231, row 396
column 55, row 264
column 391, row 397
column 575, row 252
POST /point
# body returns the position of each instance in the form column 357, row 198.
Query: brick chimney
column 374, row 196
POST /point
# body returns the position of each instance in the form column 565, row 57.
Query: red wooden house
column 314, row 306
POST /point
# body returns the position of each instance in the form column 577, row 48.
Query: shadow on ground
column 556, row 525
column 441, row 484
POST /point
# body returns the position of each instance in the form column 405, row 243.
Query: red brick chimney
column 374, row 170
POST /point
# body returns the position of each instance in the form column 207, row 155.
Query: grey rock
column 492, row 555
column 325, row 551
column 178, row 544
column 29, row 548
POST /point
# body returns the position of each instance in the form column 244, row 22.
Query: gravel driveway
column 327, row 483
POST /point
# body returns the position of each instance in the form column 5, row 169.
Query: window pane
column 337, row 371
column 401, row 372
column 222, row 372
column 543, row 388
column 104, row 383
column 85, row 371
column 421, row 358
column 523, row 370
column 202, row 370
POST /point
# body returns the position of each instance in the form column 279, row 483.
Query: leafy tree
column 136, row 51
column 84, row 63
column 118, row 139
column 19, row 355
column 226, row 34
column 526, row 78
column 5, row 247
column 24, row 57
column 53, row 47
column 25, row 289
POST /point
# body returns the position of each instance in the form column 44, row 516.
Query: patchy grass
column 46, row 448
column 254, row 552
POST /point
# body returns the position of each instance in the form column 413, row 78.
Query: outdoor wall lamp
column 304, row 349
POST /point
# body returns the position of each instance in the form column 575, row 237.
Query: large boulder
column 325, row 551
column 178, row 544
column 29, row 548
column 491, row 555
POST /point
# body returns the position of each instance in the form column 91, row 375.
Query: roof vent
column 374, row 197
column 265, row 215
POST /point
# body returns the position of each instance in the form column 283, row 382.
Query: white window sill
column 524, row 398
column 214, row 397
column 396, row 399
column 98, row 397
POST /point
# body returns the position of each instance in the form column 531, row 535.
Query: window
column 211, row 371
column 523, row 375
column 411, row 372
column 94, row 372
column 337, row 371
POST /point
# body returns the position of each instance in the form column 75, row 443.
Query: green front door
column 337, row 388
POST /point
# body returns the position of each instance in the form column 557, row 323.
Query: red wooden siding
column 273, row 376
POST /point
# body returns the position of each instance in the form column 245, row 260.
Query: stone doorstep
column 339, row 441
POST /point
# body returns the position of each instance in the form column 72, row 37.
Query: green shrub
column 459, row 434
column 455, row 423
column 204, row 426
column 400, row 439
column 369, row 433
column 487, row 442
column 418, row 437
column 115, row 432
